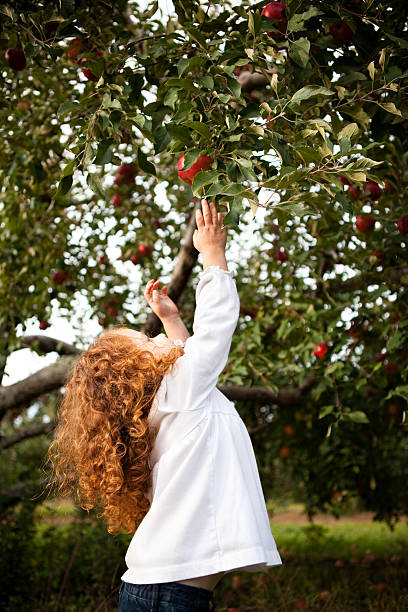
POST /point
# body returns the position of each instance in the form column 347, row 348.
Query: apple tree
column 116, row 118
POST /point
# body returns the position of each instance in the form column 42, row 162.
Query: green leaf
column 400, row 391
column 199, row 127
column 182, row 65
column 325, row 410
column 115, row 118
column 162, row 139
column 144, row 163
column 350, row 130
column 207, row 82
column 190, row 158
column 395, row 341
column 297, row 21
column 309, row 92
column 65, row 185
column 299, row 52
column 178, row 132
column 345, row 144
column 204, row 178
column 390, row 108
column 136, row 83
column 171, row 98
column 67, row 107
column 234, row 210
column 104, row 152
column 251, row 23
column 358, row 416
column 69, row 168
column 94, row 183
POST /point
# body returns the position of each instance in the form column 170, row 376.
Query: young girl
column 143, row 429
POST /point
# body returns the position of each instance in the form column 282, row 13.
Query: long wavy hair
column 103, row 438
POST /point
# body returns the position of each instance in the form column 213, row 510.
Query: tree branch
column 45, row 344
column 45, row 380
column 286, row 396
column 29, row 432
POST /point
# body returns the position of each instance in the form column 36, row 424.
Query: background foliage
column 160, row 86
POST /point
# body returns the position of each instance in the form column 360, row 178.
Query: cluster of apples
column 77, row 46
column 372, row 191
column 340, row 31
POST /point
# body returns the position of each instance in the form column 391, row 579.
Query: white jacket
column 208, row 511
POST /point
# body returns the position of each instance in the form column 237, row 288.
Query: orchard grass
column 337, row 567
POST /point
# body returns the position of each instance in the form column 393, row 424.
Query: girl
column 144, row 429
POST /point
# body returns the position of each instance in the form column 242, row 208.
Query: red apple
column 157, row 223
column 88, row 73
column 240, row 69
column 125, row 174
column 391, row 368
column 202, row 163
column 134, row 259
column 402, row 225
column 24, row 104
column 341, row 32
column 103, row 260
column 377, row 257
column 394, row 411
column 300, row 604
column 44, row 324
column 59, row 277
column 117, row 200
column 50, row 27
column 145, row 249
column 247, row 312
column 274, row 10
column 16, row 58
column 236, row 582
column 74, row 48
column 261, row 581
column 344, row 180
column 321, row 350
column 281, row 255
column 374, row 191
column 353, row 193
column 285, row 451
column 355, row 331
column 389, row 187
column 369, row 391
column 365, row 224
column 289, row 431
column 395, row 317
column 380, row 357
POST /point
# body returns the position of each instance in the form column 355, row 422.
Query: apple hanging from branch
column 274, row 11
column 364, row 224
column 203, row 163
column 16, row 58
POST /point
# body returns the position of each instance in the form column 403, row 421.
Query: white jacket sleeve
column 196, row 373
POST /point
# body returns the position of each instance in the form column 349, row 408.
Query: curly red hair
column 103, row 439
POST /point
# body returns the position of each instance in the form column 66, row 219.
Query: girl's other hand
column 161, row 304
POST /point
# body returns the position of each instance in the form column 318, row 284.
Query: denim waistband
column 172, row 592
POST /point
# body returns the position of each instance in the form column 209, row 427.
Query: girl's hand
column 161, row 304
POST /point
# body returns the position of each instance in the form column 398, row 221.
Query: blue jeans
column 164, row 597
